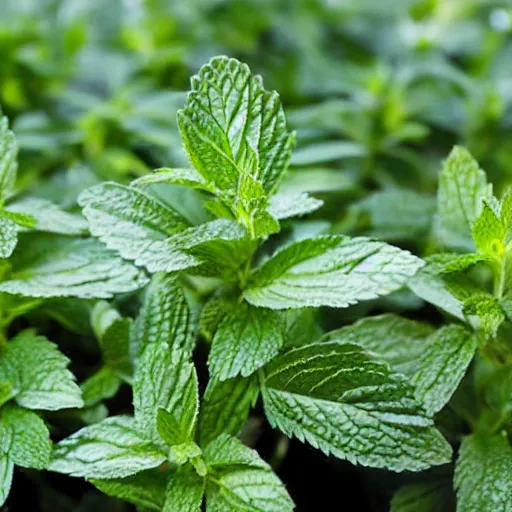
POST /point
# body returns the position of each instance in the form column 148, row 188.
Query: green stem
column 499, row 285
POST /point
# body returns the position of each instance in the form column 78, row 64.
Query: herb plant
column 226, row 275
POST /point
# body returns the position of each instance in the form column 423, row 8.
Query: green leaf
column 226, row 406
column 232, row 126
column 483, row 478
column 397, row 214
column 26, row 436
column 435, row 289
column 8, row 236
column 113, row 448
column 489, row 233
column 462, row 186
column 394, row 340
column 184, row 491
column 285, row 205
column 6, row 471
column 443, row 365
column 334, row 271
column 59, row 266
column 245, row 340
column 238, row 479
column 49, row 217
column 430, row 496
column 8, row 160
column 104, row 384
column 446, row 262
column 335, row 397
column 485, row 313
column 113, row 332
column 38, row 373
column 145, row 489
column 164, row 316
column 186, row 177
column 166, row 380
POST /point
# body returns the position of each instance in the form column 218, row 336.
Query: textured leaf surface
column 394, row 340
column 164, row 316
column 184, row 491
column 8, row 160
column 246, row 339
column 145, row 489
column 8, row 236
column 238, row 479
column 26, row 436
column 446, row 262
column 166, row 380
column 49, row 217
column 334, row 271
column 286, row 205
column 483, row 478
column 226, row 406
column 443, row 365
column 6, row 471
column 462, row 186
column 489, row 233
column 110, row 449
column 38, row 373
column 187, row 177
column 230, row 126
column 338, row 399
column 58, row 266
column 104, row 384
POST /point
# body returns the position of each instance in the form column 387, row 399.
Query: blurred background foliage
column 378, row 91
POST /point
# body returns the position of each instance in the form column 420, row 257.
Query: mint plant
column 209, row 259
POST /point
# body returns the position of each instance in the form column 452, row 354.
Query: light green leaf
column 226, row 406
column 59, row 266
column 104, row 384
column 246, row 339
column 335, row 397
column 327, row 151
column 446, row 262
column 145, row 489
column 8, row 236
column 443, row 365
column 484, row 313
column 285, row 205
column 489, row 233
column 435, row 289
column 8, row 160
column 144, row 230
column 435, row 495
column 165, row 316
column 186, row 177
column 483, row 478
column 462, row 186
column 238, row 479
column 6, row 471
column 49, row 217
column 334, row 271
column 113, row 448
column 38, row 373
column 166, row 380
column 394, row 340
column 184, row 491
column 397, row 214
column 231, row 126
column 29, row 444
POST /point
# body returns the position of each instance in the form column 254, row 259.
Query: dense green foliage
column 308, row 242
